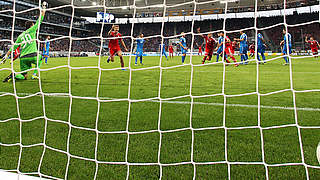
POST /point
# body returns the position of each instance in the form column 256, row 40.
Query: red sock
column 121, row 61
column 233, row 58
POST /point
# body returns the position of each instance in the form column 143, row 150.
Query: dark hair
column 28, row 24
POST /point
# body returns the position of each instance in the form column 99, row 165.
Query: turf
column 241, row 142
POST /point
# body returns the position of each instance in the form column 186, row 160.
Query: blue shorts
column 243, row 49
column 220, row 49
column 261, row 49
column 183, row 51
column 139, row 53
column 284, row 50
column 45, row 53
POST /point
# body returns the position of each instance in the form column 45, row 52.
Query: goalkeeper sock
column 20, row 77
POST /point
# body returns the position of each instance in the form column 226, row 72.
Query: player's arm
column 282, row 42
column 124, row 45
column 109, row 33
column 12, row 49
column 238, row 39
column 198, row 31
column 182, row 46
column 40, row 19
column 306, row 39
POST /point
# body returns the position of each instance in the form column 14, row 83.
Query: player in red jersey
column 313, row 45
column 228, row 50
column 200, row 49
column 171, row 51
column 114, row 47
column 210, row 42
column 251, row 49
column 234, row 45
column 16, row 55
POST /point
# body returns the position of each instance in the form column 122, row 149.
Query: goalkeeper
column 28, row 49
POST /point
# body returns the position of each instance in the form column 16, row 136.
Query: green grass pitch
column 241, row 142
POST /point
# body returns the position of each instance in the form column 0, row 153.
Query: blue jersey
column 260, row 40
column 285, row 39
column 183, row 42
column 163, row 47
column 140, row 43
column 245, row 39
column 47, row 46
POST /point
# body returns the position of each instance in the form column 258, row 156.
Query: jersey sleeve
column 17, row 44
column 35, row 27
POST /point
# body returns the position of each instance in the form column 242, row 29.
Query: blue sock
column 242, row 58
column 258, row 57
column 140, row 59
column 136, row 60
column 183, row 58
column 263, row 56
column 217, row 57
column 286, row 59
column 246, row 56
column 165, row 54
column 46, row 59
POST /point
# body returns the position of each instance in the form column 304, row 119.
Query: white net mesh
column 97, row 135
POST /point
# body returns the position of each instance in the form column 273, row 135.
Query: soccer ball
column 318, row 152
column 44, row 5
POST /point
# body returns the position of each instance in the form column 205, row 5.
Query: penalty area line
column 65, row 95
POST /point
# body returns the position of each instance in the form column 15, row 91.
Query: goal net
column 82, row 115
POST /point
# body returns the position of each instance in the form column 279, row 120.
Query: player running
column 243, row 47
column 183, row 46
column 313, row 45
column 261, row 47
column 114, row 47
column 284, row 44
column 219, row 48
column 29, row 52
column 210, row 42
column 200, row 49
column 171, row 51
column 46, row 48
column 163, row 51
column 139, row 52
column 228, row 51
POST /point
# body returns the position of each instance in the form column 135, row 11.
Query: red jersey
column 200, row 49
column 170, row 49
column 228, row 43
column 114, row 43
column 313, row 44
column 234, row 44
column 16, row 53
column 251, row 47
column 209, row 43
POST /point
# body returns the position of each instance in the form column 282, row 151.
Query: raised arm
column 109, row 33
column 306, row 39
column 198, row 31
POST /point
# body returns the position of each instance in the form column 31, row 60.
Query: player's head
column 48, row 37
column 116, row 28
column 241, row 32
column 183, row 34
column 29, row 24
column 221, row 33
column 209, row 35
column 311, row 38
column 141, row 35
column 284, row 31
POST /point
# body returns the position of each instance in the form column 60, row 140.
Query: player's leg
column 284, row 54
column 121, row 58
column 38, row 62
column 218, row 54
column 165, row 54
column 136, row 60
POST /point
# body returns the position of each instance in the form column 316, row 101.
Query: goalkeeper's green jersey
column 27, row 40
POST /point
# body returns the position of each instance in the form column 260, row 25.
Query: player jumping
column 243, row 47
column 285, row 48
column 210, row 42
column 171, row 51
column 183, row 46
column 139, row 52
column 313, row 45
column 261, row 47
column 46, row 48
column 29, row 52
column 114, row 46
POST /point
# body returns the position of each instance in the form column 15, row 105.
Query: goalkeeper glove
column 4, row 59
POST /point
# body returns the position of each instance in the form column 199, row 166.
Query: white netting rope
column 156, row 99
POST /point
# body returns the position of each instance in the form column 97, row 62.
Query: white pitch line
column 65, row 95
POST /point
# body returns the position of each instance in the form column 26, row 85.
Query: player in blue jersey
column 284, row 44
column 243, row 47
column 139, row 51
column 261, row 47
column 163, row 50
column 219, row 48
column 45, row 51
column 183, row 47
